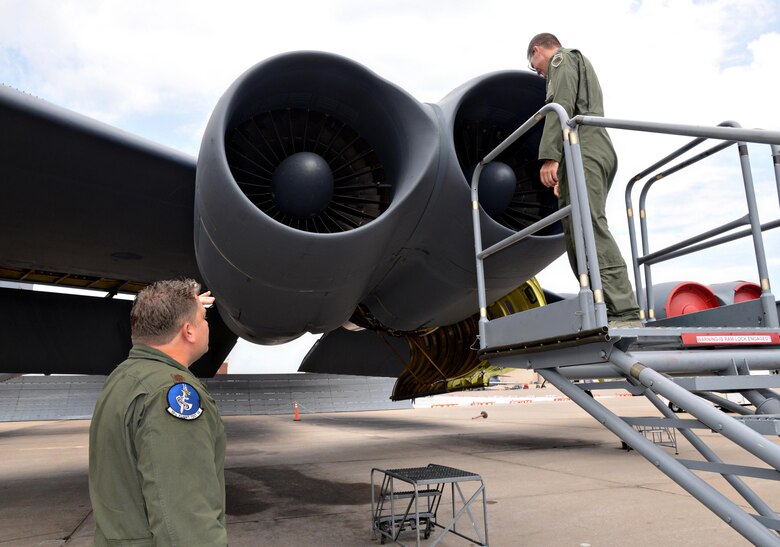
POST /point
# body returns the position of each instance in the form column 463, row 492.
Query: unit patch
column 557, row 60
column 184, row 402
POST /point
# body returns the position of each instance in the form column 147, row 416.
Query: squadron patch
column 184, row 402
column 557, row 60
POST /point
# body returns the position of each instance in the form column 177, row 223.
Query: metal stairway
column 689, row 362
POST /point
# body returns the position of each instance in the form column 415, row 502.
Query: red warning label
column 730, row 338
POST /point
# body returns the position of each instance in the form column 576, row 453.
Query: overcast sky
column 157, row 68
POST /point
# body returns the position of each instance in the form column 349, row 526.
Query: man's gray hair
column 161, row 309
column 545, row 40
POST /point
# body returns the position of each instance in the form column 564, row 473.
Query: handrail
column 760, row 136
column 643, row 199
column 765, row 227
column 642, row 298
column 643, row 212
column 659, row 256
column 591, row 293
column 730, row 132
column 642, row 301
column 525, row 232
column 582, row 228
column 776, row 160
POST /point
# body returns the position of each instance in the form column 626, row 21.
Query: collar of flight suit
column 140, row 351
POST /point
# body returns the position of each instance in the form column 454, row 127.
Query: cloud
column 116, row 59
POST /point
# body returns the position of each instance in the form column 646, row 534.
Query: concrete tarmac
column 553, row 476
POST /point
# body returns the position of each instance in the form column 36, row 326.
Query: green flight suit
column 154, row 478
column 572, row 83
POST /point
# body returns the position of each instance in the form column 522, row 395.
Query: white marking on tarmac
column 443, row 401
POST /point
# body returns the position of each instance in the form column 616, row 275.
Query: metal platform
column 690, row 360
column 394, row 512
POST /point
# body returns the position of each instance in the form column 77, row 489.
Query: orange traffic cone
column 297, row 416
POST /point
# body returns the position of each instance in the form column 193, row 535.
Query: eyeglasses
column 530, row 66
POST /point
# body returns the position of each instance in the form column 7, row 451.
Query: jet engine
column 313, row 173
column 325, row 194
column 433, row 282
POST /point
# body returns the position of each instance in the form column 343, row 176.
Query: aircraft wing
column 85, row 205
column 81, row 198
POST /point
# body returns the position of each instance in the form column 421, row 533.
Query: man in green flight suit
column 156, row 442
column 572, row 83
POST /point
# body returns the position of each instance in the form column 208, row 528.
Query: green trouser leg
column 618, row 293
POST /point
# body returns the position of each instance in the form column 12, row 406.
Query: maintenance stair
column 692, row 361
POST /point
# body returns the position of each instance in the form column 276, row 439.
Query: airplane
column 324, row 199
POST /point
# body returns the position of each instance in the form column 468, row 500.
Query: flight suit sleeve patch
column 557, row 60
column 184, row 402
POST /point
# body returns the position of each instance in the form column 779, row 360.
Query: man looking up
column 572, row 83
column 156, row 441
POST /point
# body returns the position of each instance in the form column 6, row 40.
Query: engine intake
column 488, row 112
column 312, row 174
column 308, row 170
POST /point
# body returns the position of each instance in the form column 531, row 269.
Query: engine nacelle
column 313, row 172
column 434, row 281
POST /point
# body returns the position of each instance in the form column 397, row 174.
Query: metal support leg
column 736, row 482
column 714, row 500
column 704, row 412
